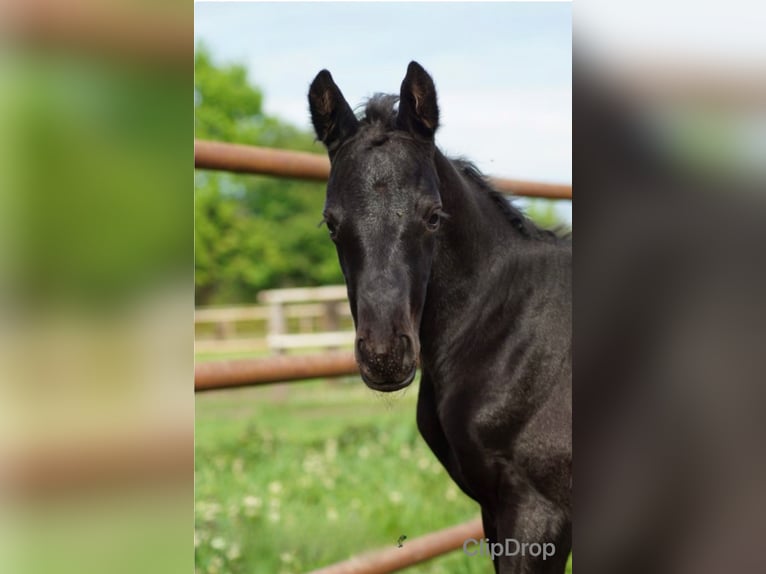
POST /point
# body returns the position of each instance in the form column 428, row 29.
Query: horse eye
column 332, row 228
column 433, row 221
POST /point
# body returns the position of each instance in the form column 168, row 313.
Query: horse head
column 383, row 211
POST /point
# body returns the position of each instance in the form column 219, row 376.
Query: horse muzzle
column 387, row 366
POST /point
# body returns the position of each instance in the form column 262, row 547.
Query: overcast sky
column 502, row 70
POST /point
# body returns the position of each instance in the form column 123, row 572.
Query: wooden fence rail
column 240, row 158
column 325, row 308
column 246, row 372
column 412, row 551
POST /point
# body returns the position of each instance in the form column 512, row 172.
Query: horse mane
column 381, row 110
column 513, row 214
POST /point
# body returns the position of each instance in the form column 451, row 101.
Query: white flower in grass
column 364, row 452
column 286, row 557
column 274, row 516
column 313, row 463
column 332, row 514
column 451, row 493
column 423, row 463
column 234, row 552
column 395, row 497
column 218, row 543
column 238, row 467
column 275, row 487
column 209, row 510
column 328, row 483
column 252, row 505
column 215, row 564
column 405, row 452
column 331, row 448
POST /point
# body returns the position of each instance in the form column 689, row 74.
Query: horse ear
column 418, row 111
column 333, row 119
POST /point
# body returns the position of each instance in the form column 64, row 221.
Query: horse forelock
column 381, row 109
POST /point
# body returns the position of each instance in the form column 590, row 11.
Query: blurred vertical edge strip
column 670, row 318
column 96, row 287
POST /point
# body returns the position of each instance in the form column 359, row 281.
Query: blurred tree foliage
column 543, row 213
column 252, row 232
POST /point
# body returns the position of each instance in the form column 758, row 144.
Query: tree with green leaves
column 252, row 232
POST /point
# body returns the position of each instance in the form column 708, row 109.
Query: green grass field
column 293, row 477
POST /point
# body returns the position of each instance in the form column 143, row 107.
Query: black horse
column 440, row 268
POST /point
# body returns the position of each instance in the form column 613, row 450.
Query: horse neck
column 478, row 255
column 476, row 236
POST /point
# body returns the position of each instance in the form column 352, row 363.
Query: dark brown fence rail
column 245, row 372
column 240, row 158
column 412, row 552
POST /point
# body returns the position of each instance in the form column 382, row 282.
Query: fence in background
column 239, row 158
column 413, row 552
column 217, row 375
column 318, row 313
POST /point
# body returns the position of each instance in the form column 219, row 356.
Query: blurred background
column 343, row 466
column 96, row 287
column 670, row 150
